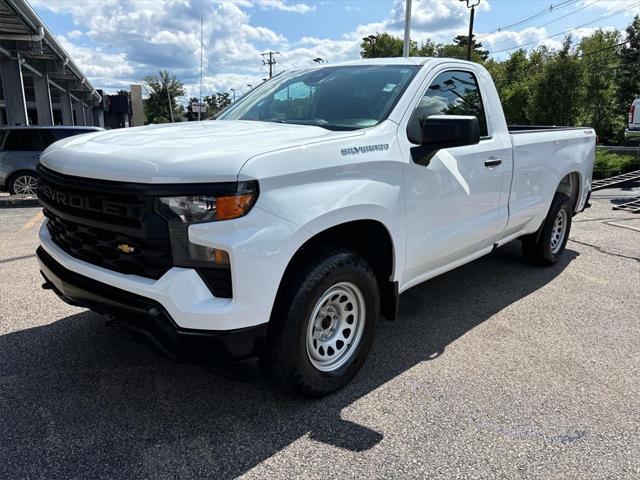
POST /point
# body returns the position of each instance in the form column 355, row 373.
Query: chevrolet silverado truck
column 286, row 227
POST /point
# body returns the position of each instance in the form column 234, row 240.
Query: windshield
column 335, row 98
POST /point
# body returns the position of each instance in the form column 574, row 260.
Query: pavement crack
column 601, row 250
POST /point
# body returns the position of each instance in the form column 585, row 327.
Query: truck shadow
column 81, row 400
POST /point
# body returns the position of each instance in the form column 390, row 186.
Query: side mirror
column 444, row 131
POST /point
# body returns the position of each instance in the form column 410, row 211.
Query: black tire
column 286, row 359
column 11, row 183
column 538, row 248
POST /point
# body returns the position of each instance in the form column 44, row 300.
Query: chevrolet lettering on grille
column 82, row 202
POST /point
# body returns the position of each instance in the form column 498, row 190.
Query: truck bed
column 514, row 129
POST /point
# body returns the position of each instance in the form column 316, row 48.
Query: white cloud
column 286, row 7
column 74, row 34
column 613, row 6
column 112, row 71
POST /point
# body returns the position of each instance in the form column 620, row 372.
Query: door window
column 455, row 92
column 23, row 140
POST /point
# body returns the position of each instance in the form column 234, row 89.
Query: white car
column 632, row 133
column 288, row 226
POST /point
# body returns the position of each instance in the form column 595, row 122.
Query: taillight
column 632, row 110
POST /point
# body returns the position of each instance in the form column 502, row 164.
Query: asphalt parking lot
column 496, row 369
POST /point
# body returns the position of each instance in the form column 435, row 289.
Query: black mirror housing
column 444, row 131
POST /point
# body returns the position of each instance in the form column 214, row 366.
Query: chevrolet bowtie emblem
column 124, row 248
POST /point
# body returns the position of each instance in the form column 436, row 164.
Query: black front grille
column 97, row 222
column 109, row 249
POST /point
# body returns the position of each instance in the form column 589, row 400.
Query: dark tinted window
column 454, row 93
column 69, row 132
column 336, row 98
column 50, row 136
column 23, row 140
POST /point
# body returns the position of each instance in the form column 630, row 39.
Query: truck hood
column 188, row 152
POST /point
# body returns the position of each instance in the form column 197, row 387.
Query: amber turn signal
column 233, row 206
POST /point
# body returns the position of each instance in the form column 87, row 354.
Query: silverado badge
column 124, row 248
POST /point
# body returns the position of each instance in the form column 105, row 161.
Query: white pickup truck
column 288, row 226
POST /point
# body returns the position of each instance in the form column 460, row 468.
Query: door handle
column 492, row 162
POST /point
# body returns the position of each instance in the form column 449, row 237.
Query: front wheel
column 324, row 324
column 547, row 246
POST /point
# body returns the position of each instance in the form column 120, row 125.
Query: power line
column 271, row 61
column 541, row 13
column 623, row 65
column 552, row 21
column 588, row 54
column 604, row 17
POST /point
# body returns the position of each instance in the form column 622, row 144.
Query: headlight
column 207, row 207
column 222, row 202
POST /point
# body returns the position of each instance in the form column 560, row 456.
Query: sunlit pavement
column 497, row 369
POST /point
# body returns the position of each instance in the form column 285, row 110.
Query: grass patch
column 610, row 164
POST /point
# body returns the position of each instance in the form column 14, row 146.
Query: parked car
column 287, row 227
column 632, row 133
column 20, row 148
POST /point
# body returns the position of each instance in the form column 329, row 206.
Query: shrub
column 610, row 164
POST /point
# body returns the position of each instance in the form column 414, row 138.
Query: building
column 40, row 83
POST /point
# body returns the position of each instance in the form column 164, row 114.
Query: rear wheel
column 547, row 246
column 23, row 183
column 324, row 324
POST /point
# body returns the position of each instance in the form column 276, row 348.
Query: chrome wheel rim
column 25, row 185
column 335, row 327
column 559, row 231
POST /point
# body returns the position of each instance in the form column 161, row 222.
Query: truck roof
column 419, row 61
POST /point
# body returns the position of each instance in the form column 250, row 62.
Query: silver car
column 20, row 149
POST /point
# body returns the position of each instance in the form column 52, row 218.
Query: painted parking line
column 35, row 220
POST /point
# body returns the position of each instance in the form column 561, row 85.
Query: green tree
column 556, row 90
column 216, row 102
column 163, row 89
column 461, row 42
column 516, row 86
column 383, row 45
column 600, row 87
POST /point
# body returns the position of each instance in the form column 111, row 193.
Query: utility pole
column 201, row 48
column 472, row 4
column 407, row 29
column 233, row 90
column 271, row 62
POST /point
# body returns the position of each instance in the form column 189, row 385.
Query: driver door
column 456, row 204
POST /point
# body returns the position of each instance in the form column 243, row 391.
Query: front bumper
column 147, row 316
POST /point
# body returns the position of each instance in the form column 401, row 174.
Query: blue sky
column 116, row 42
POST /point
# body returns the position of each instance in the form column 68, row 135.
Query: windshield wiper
column 316, row 123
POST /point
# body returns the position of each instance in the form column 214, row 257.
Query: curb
column 17, row 201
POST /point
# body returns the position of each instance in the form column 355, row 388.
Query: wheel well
column 570, row 185
column 371, row 240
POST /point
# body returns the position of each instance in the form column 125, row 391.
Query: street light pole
column 201, row 48
column 472, row 6
column 407, row 29
column 233, row 90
